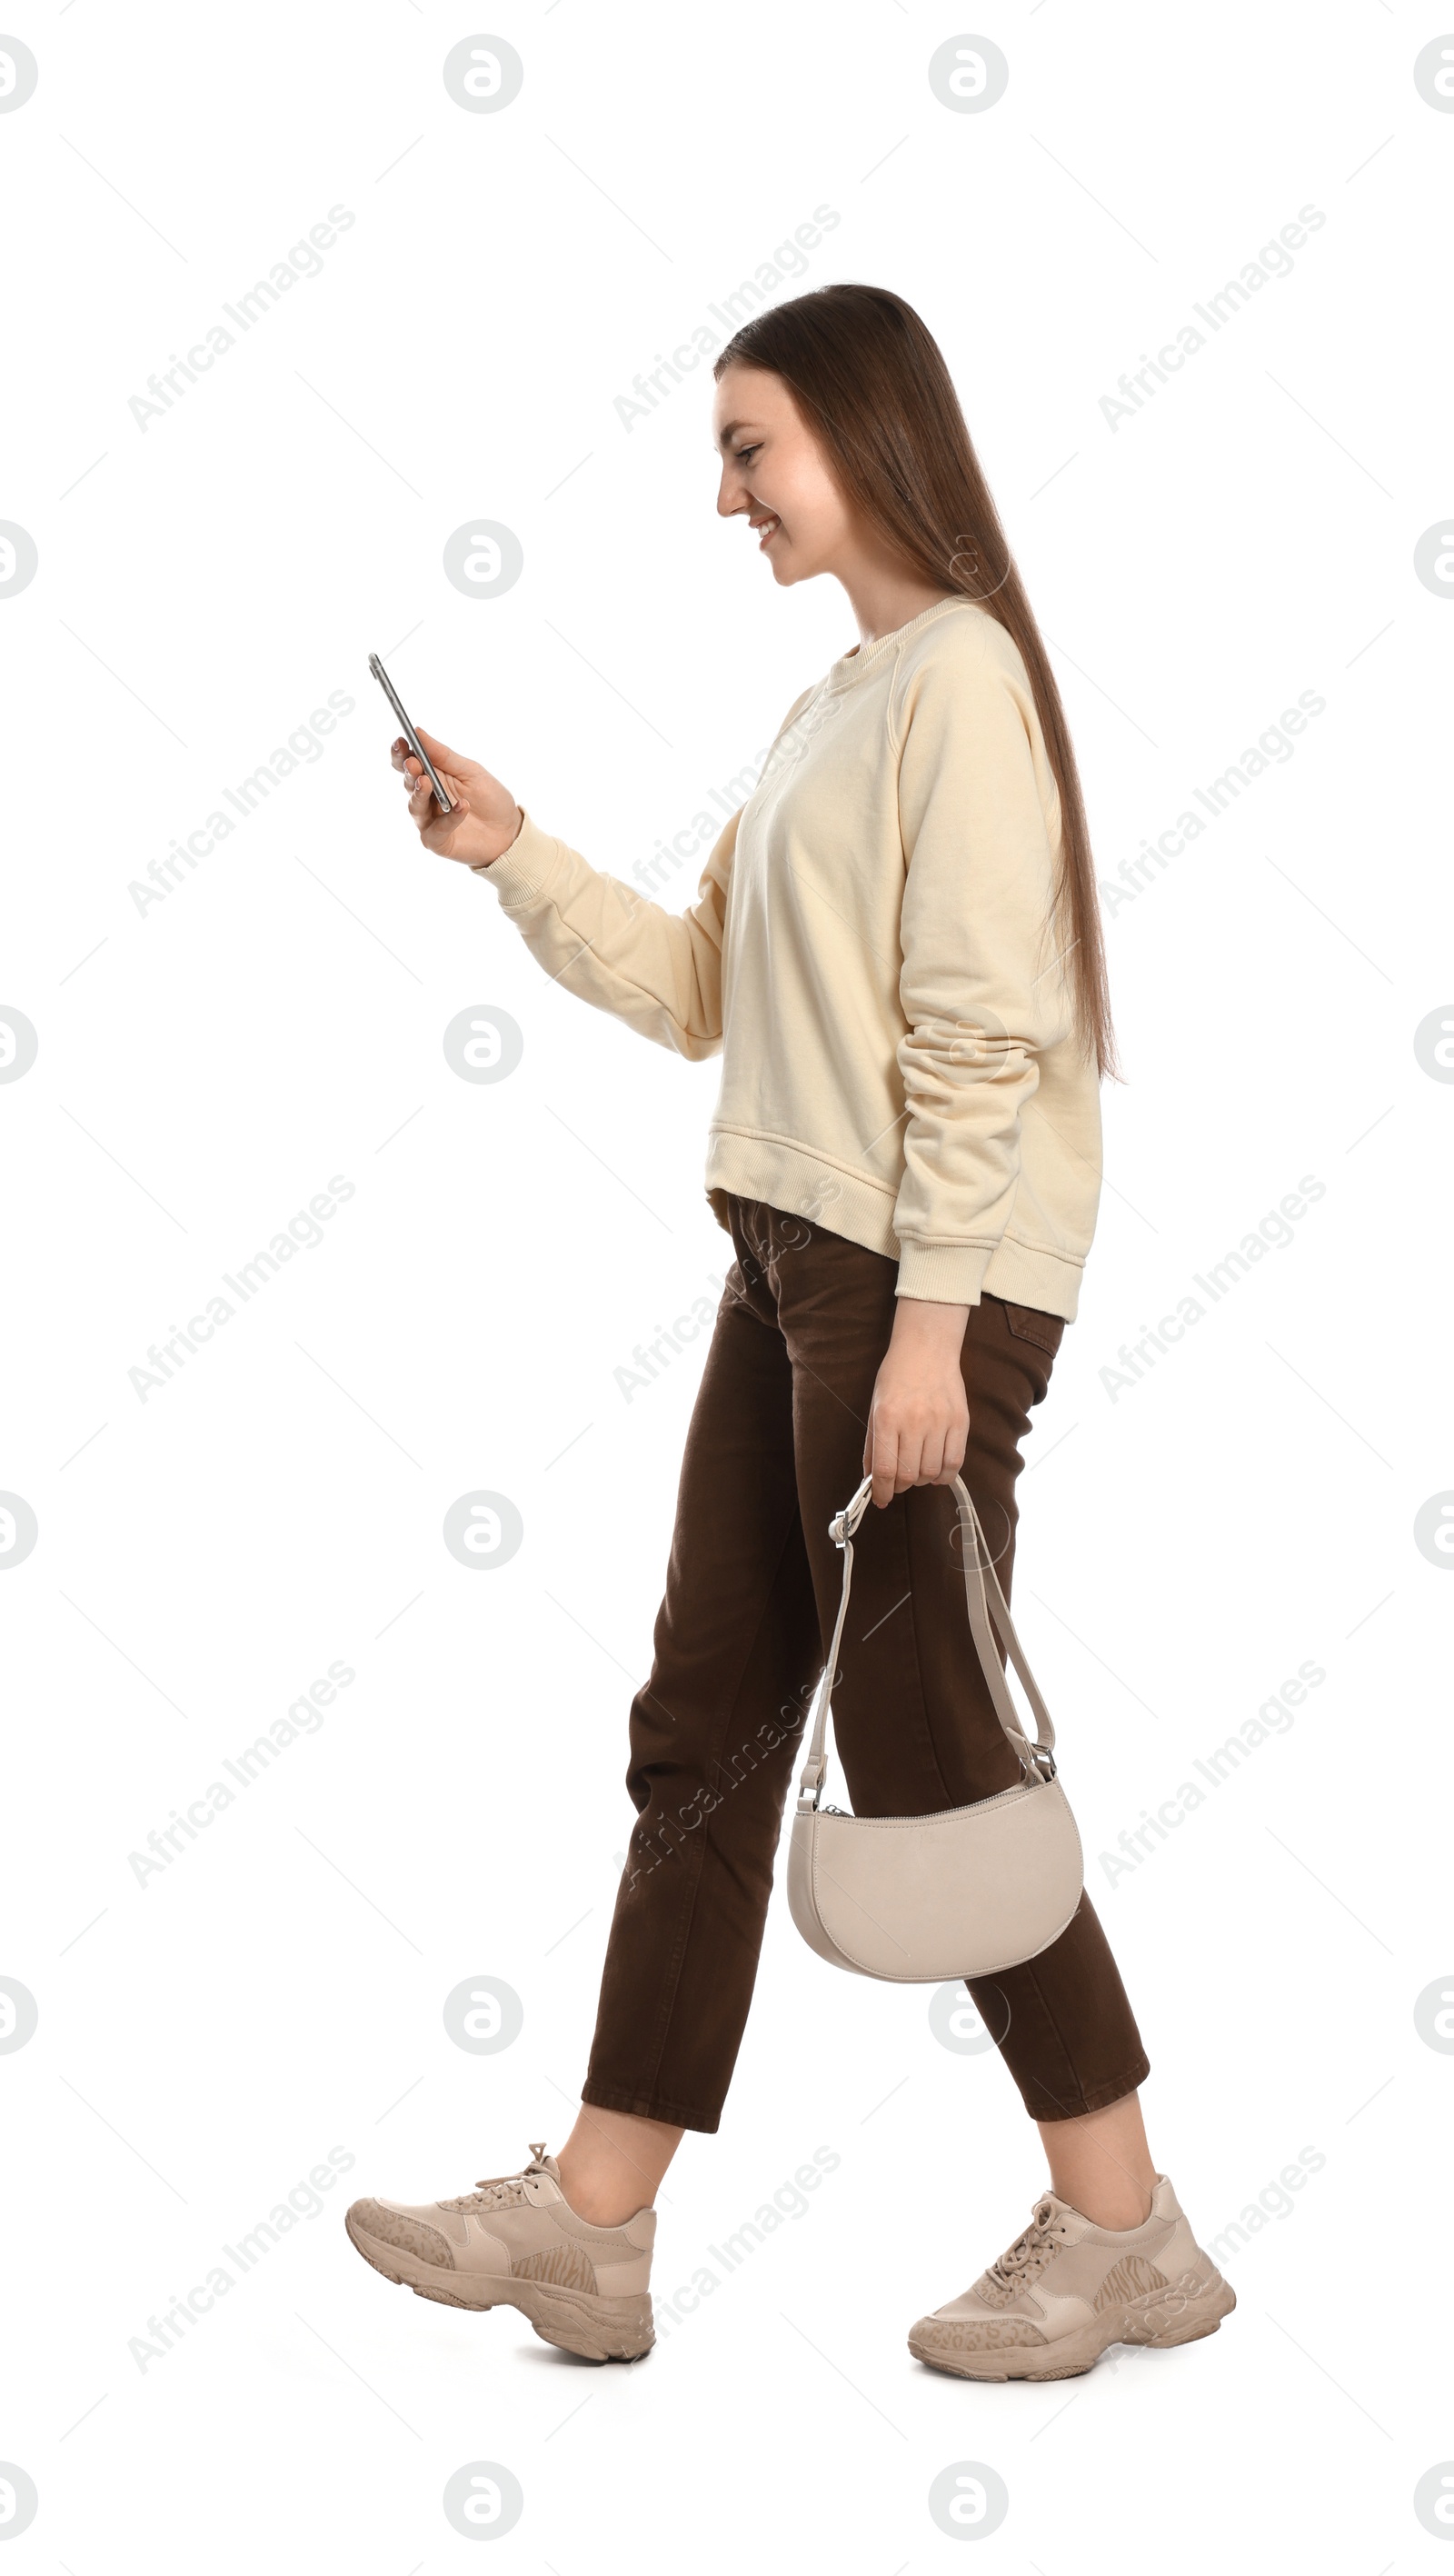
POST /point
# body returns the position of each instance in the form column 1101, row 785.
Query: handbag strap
column 989, row 1612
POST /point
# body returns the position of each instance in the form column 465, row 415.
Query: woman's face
column 775, row 474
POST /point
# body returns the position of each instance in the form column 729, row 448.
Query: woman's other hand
column 918, row 1422
column 486, row 817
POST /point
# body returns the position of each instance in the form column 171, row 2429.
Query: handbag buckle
column 810, row 1787
column 1044, row 1761
column 844, row 1523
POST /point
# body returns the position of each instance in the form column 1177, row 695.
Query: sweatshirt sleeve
column 659, row 971
column 980, row 986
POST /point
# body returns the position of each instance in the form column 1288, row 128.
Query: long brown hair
column 870, row 380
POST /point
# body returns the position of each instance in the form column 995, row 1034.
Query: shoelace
column 501, row 2191
column 1029, row 2249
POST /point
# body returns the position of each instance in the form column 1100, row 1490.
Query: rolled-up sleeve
column 980, row 987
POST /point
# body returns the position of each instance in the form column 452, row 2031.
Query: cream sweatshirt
column 871, row 953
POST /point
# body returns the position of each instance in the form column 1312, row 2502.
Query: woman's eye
column 743, row 453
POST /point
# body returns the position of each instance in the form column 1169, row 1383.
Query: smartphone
column 445, row 800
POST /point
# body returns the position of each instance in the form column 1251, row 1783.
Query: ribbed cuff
column 946, row 1274
column 522, row 874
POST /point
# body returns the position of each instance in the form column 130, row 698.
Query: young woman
column 896, row 947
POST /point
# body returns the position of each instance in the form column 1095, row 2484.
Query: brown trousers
column 774, row 1449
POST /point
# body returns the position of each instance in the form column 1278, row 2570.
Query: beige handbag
column 963, row 1893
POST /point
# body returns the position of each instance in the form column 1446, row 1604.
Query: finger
column 422, row 785
column 441, row 755
column 438, row 837
column 441, row 832
column 883, row 1466
column 931, row 1460
column 907, row 1469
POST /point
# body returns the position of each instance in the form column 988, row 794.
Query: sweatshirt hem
column 792, row 1177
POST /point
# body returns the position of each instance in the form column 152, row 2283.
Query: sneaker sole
column 1181, row 2313
column 579, row 2321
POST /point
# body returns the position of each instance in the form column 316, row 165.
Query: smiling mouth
column 766, row 530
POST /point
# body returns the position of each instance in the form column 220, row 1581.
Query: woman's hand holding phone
column 485, row 819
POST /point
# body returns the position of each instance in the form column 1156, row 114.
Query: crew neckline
column 860, row 658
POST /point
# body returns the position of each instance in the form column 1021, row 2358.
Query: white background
column 206, row 1066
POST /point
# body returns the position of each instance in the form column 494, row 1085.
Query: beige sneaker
column 1065, row 2290
column 516, row 2242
